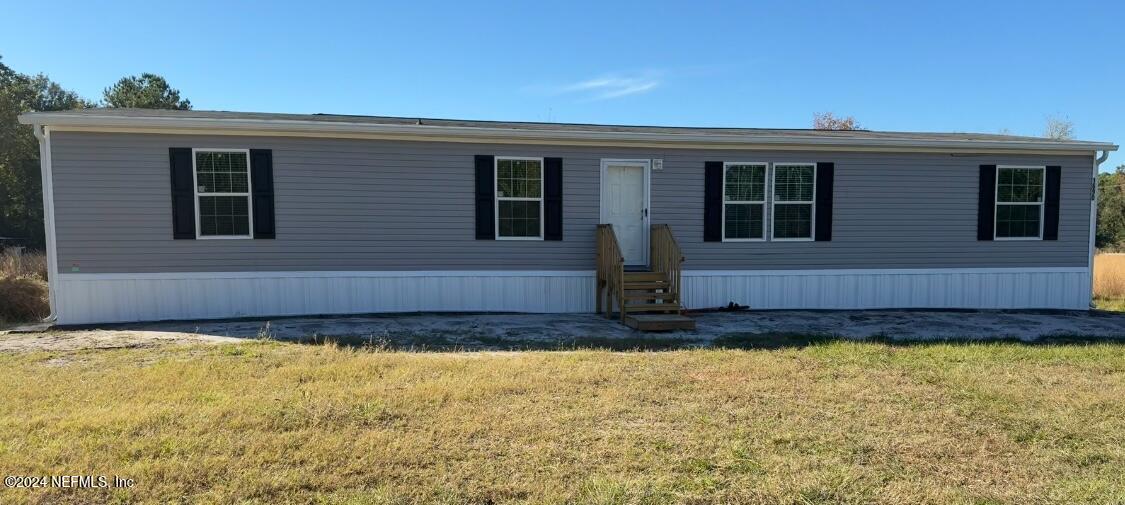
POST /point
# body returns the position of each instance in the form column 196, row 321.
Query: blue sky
column 947, row 66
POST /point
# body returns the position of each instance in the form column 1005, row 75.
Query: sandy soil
column 100, row 339
column 515, row 331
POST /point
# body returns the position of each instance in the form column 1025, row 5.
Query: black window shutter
column 486, row 193
column 183, row 193
column 1051, row 203
column 825, row 175
column 552, row 199
column 986, row 203
column 261, row 181
column 713, row 201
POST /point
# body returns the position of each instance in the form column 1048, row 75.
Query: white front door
column 624, row 205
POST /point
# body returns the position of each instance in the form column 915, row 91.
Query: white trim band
column 121, row 297
column 883, row 271
column 969, row 288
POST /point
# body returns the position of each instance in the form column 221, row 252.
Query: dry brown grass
column 831, row 423
column 31, row 265
column 1109, row 281
column 23, row 300
column 23, row 288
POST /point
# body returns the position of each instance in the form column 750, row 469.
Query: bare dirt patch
column 100, row 339
column 516, row 332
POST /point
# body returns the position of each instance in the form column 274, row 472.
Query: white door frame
column 646, row 166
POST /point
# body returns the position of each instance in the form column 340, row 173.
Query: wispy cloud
column 625, row 83
column 606, row 87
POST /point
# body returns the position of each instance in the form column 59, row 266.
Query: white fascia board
column 475, row 133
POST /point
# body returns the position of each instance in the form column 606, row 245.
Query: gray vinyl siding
column 394, row 205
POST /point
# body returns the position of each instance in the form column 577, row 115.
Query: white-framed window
column 1019, row 202
column 223, row 208
column 519, row 198
column 794, row 201
column 744, row 201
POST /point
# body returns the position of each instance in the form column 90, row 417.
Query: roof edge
column 451, row 133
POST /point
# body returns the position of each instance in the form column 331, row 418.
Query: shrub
column 23, row 288
column 23, row 299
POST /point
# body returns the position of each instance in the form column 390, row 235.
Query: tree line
column 21, row 191
column 1111, row 210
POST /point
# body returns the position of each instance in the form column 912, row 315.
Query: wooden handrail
column 667, row 257
column 611, row 271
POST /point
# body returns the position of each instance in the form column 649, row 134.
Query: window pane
column 1005, row 176
column 222, row 172
column 1017, row 220
column 745, row 183
column 793, row 183
column 1019, row 185
column 519, row 218
column 792, row 220
column 224, row 215
column 744, row 220
column 519, row 178
column 1035, row 186
column 1004, row 193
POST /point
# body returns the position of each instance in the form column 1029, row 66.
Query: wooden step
column 649, row 296
column 659, row 322
column 652, row 307
column 636, row 286
column 645, row 276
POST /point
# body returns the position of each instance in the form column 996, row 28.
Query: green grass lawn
column 834, row 422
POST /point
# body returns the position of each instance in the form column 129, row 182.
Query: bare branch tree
column 829, row 121
column 1059, row 128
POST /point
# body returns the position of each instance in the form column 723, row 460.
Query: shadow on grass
column 439, row 342
column 434, row 342
column 784, row 340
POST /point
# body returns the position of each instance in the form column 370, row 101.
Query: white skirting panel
column 972, row 288
column 101, row 298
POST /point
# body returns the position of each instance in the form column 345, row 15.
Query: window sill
column 224, row 237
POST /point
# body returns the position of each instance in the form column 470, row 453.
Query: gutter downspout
column 43, row 134
column 1094, row 219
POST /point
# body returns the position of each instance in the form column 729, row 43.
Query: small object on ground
column 31, row 327
column 730, row 307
